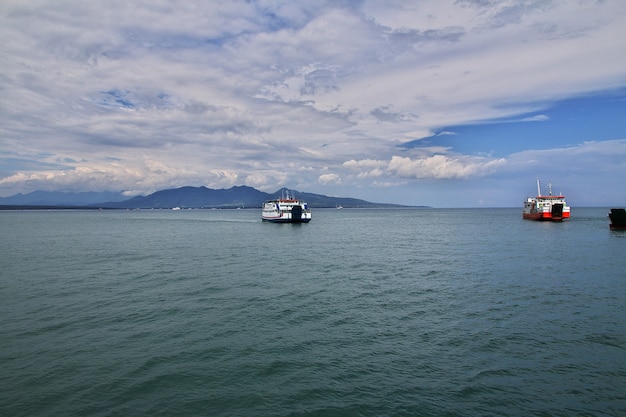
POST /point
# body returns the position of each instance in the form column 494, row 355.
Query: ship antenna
column 549, row 188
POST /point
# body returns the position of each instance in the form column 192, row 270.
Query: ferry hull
column 285, row 220
column 618, row 219
column 286, row 210
column 294, row 215
column 545, row 216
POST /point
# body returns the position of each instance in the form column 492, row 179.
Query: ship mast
column 538, row 187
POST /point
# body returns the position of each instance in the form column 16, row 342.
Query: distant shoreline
column 91, row 208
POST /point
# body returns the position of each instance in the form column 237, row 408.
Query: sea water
column 416, row 312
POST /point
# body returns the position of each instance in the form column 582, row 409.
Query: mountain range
column 184, row 197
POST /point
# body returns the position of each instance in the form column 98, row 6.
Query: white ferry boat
column 286, row 209
column 546, row 207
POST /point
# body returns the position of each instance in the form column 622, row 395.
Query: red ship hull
column 545, row 217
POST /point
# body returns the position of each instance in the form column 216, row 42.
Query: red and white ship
column 546, row 207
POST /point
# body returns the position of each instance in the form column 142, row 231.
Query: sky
column 445, row 103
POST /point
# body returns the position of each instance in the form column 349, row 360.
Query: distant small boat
column 338, row 206
column 286, row 209
column 175, row 208
column 618, row 219
column 546, row 207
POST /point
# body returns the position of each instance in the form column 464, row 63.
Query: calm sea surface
column 433, row 312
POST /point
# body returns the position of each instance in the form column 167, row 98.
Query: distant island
column 183, row 197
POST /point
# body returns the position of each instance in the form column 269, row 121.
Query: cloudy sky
column 447, row 103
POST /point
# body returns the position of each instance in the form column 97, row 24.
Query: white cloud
column 444, row 167
column 329, row 178
column 366, row 163
column 421, row 167
column 537, row 118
